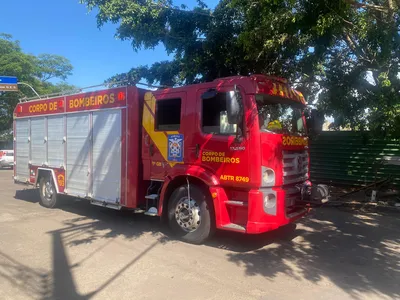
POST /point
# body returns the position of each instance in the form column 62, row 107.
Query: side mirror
column 234, row 107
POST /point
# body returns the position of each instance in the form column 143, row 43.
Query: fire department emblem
column 61, row 180
column 175, row 147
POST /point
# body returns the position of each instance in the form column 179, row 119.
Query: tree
column 343, row 53
column 52, row 66
column 30, row 69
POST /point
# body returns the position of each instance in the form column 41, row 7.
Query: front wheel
column 191, row 219
column 48, row 192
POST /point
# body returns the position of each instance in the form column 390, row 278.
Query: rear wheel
column 192, row 219
column 48, row 192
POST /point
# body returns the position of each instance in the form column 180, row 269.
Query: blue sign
column 8, row 84
column 175, row 147
column 8, row 80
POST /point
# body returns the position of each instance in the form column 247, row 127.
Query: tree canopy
column 33, row 70
column 343, row 53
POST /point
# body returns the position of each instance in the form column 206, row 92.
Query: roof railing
column 80, row 90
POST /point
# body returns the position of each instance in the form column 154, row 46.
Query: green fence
column 351, row 158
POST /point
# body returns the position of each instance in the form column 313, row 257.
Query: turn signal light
column 121, row 96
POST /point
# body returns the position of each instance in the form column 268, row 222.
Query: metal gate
column 354, row 158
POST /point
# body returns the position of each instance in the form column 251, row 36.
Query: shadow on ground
column 96, row 223
column 357, row 252
column 91, row 224
column 34, row 283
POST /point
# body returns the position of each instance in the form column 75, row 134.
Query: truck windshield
column 280, row 117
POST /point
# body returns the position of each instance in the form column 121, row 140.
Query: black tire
column 45, row 199
column 206, row 228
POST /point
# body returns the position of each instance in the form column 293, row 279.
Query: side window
column 9, row 154
column 214, row 116
column 168, row 114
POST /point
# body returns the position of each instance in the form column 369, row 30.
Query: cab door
column 163, row 134
column 221, row 150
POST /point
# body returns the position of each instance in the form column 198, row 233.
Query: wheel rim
column 48, row 191
column 187, row 214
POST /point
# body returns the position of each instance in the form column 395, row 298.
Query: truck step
column 152, row 212
column 234, row 227
column 235, row 203
column 151, row 197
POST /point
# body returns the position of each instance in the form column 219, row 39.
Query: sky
column 64, row 27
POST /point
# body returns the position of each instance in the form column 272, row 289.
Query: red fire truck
column 230, row 154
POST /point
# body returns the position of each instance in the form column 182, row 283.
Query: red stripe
column 149, row 109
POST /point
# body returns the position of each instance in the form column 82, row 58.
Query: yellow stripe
column 159, row 138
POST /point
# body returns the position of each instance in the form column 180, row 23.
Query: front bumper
column 259, row 221
column 244, row 211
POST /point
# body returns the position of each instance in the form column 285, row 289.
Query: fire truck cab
column 230, row 154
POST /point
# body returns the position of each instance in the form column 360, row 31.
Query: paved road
column 84, row 252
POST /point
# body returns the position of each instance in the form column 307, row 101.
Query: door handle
column 151, row 149
column 197, row 150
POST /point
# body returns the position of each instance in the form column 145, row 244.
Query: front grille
column 292, row 198
column 295, row 166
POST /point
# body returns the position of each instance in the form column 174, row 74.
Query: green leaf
column 33, row 70
column 275, row 37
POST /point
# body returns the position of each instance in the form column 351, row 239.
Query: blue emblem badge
column 175, row 147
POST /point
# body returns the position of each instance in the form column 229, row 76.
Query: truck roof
column 105, row 98
column 253, row 84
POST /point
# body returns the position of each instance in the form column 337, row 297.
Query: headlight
column 268, row 176
column 270, row 202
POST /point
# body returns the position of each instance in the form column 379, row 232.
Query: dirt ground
column 81, row 251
